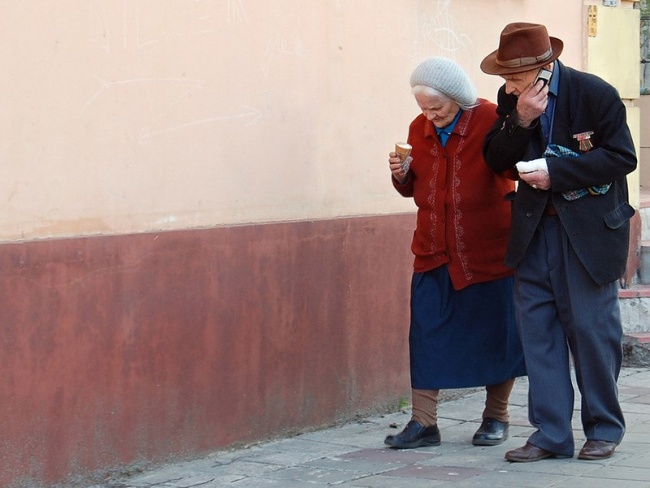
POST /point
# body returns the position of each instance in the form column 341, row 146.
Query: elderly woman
column 462, row 331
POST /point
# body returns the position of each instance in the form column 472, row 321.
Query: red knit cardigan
column 463, row 219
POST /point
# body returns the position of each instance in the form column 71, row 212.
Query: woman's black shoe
column 414, row 435
column 492, row 432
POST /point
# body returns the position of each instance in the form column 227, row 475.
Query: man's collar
column 554, row 84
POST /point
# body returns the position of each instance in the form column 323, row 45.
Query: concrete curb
column 636, row 350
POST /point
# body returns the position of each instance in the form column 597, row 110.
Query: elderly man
column 568, row 140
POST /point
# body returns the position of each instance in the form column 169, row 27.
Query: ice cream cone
column 403, row 150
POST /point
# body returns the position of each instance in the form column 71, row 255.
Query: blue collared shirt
column 444, row 132
column 548, row 116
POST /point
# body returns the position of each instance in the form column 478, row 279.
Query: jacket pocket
column 620, row 216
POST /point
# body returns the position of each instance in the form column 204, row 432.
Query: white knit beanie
column 447, row 77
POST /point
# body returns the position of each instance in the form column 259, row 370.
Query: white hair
column 432, row 92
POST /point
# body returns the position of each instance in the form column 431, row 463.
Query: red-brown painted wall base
column 152, row 347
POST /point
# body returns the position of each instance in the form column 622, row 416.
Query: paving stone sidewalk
column 353, row 455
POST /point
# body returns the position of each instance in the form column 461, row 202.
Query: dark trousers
column 562, row 314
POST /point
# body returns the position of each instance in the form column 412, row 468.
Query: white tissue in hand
column 406, row 164
column 530, row 166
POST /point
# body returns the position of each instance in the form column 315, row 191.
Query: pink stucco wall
column 142, row 348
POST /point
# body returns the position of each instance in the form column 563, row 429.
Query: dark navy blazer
column 597, row 225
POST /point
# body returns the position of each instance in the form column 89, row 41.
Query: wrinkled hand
column 535, row 173
column 395, row 164
column 537, row 179
column 531, row 103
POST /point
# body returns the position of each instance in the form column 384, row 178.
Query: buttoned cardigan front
column 463, row 219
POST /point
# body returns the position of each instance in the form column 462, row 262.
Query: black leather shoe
column 492, row 432
column 597, row 450
column 415, row 435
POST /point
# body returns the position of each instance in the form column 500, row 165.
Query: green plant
column 402, row 403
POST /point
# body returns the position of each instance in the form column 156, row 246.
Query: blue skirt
column 462, row 338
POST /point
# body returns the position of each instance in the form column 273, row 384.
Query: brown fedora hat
column 522, row 47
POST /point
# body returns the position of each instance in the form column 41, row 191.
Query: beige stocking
column 496, row 401
column 425, row 406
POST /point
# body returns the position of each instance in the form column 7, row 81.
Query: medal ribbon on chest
column 584, row 140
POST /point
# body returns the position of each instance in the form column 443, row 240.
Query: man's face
column 518, row 82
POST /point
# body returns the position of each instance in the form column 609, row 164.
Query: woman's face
column 440, row 112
